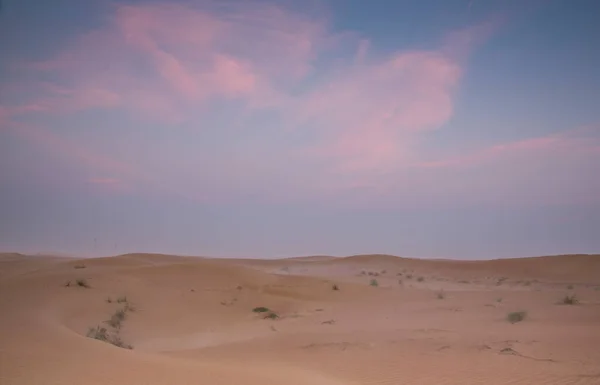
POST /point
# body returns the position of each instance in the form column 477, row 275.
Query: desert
column 369, row 319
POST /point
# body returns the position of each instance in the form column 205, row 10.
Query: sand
column 191, row 321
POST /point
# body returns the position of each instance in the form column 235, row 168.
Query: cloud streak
column 277, row 108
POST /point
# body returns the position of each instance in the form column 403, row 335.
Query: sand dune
column 392, row 320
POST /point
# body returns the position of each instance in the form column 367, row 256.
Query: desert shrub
column 102, row 334
column 122, row 299
column 335, row 287
column 271, row 315
column 516, row 316
column 420, row 279
column 441, row 294
column 569, row 300
column 374, row 283
column 82, row 283
column 79, row 267
column 261, row 309
column 117, row 318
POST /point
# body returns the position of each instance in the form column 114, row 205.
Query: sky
column 433, row 128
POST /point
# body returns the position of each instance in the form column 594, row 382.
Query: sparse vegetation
column 516, row 316
column 498, row 300
column 570, row 300
column 82, row 283
column 102, row 334
column 79, row 266
column 420, row 279
column 122, row 299
column 115, row 321
column 441, row 294
column 374, row 283
column 570, row 287
column 271, row 315
column 409, row 276
column 335, row 287
column 261, row 309
column 117, row 318
column 500, row 281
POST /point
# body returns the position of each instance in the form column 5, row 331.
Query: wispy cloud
column 304, row 117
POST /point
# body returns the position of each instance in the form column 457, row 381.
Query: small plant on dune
column 374, row 283
column 109, row 300
column 98, row 333
column 570, row 287
column 498, row 300
column 261, row 309
column 79, row 266
column 335, row 287
column 570, row 300
column 400, row 282
column 420, row 279
column 82, row 283
column 516, row 316
column 117, row 318
column 441, row 294
column 271, row 315
column 409, row 276
column 122, row 299
column 102, row 334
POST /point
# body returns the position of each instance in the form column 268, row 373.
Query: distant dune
column 363, row 319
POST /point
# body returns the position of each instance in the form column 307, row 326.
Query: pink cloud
column 353, row 127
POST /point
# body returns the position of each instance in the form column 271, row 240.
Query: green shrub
column 570, row 300
column 516, row 316
column 271, row 315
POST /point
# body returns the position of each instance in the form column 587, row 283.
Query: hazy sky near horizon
column 430, row 128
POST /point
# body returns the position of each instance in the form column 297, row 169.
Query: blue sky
column 460, row 128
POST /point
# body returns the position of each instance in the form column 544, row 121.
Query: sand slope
column 190, row 320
